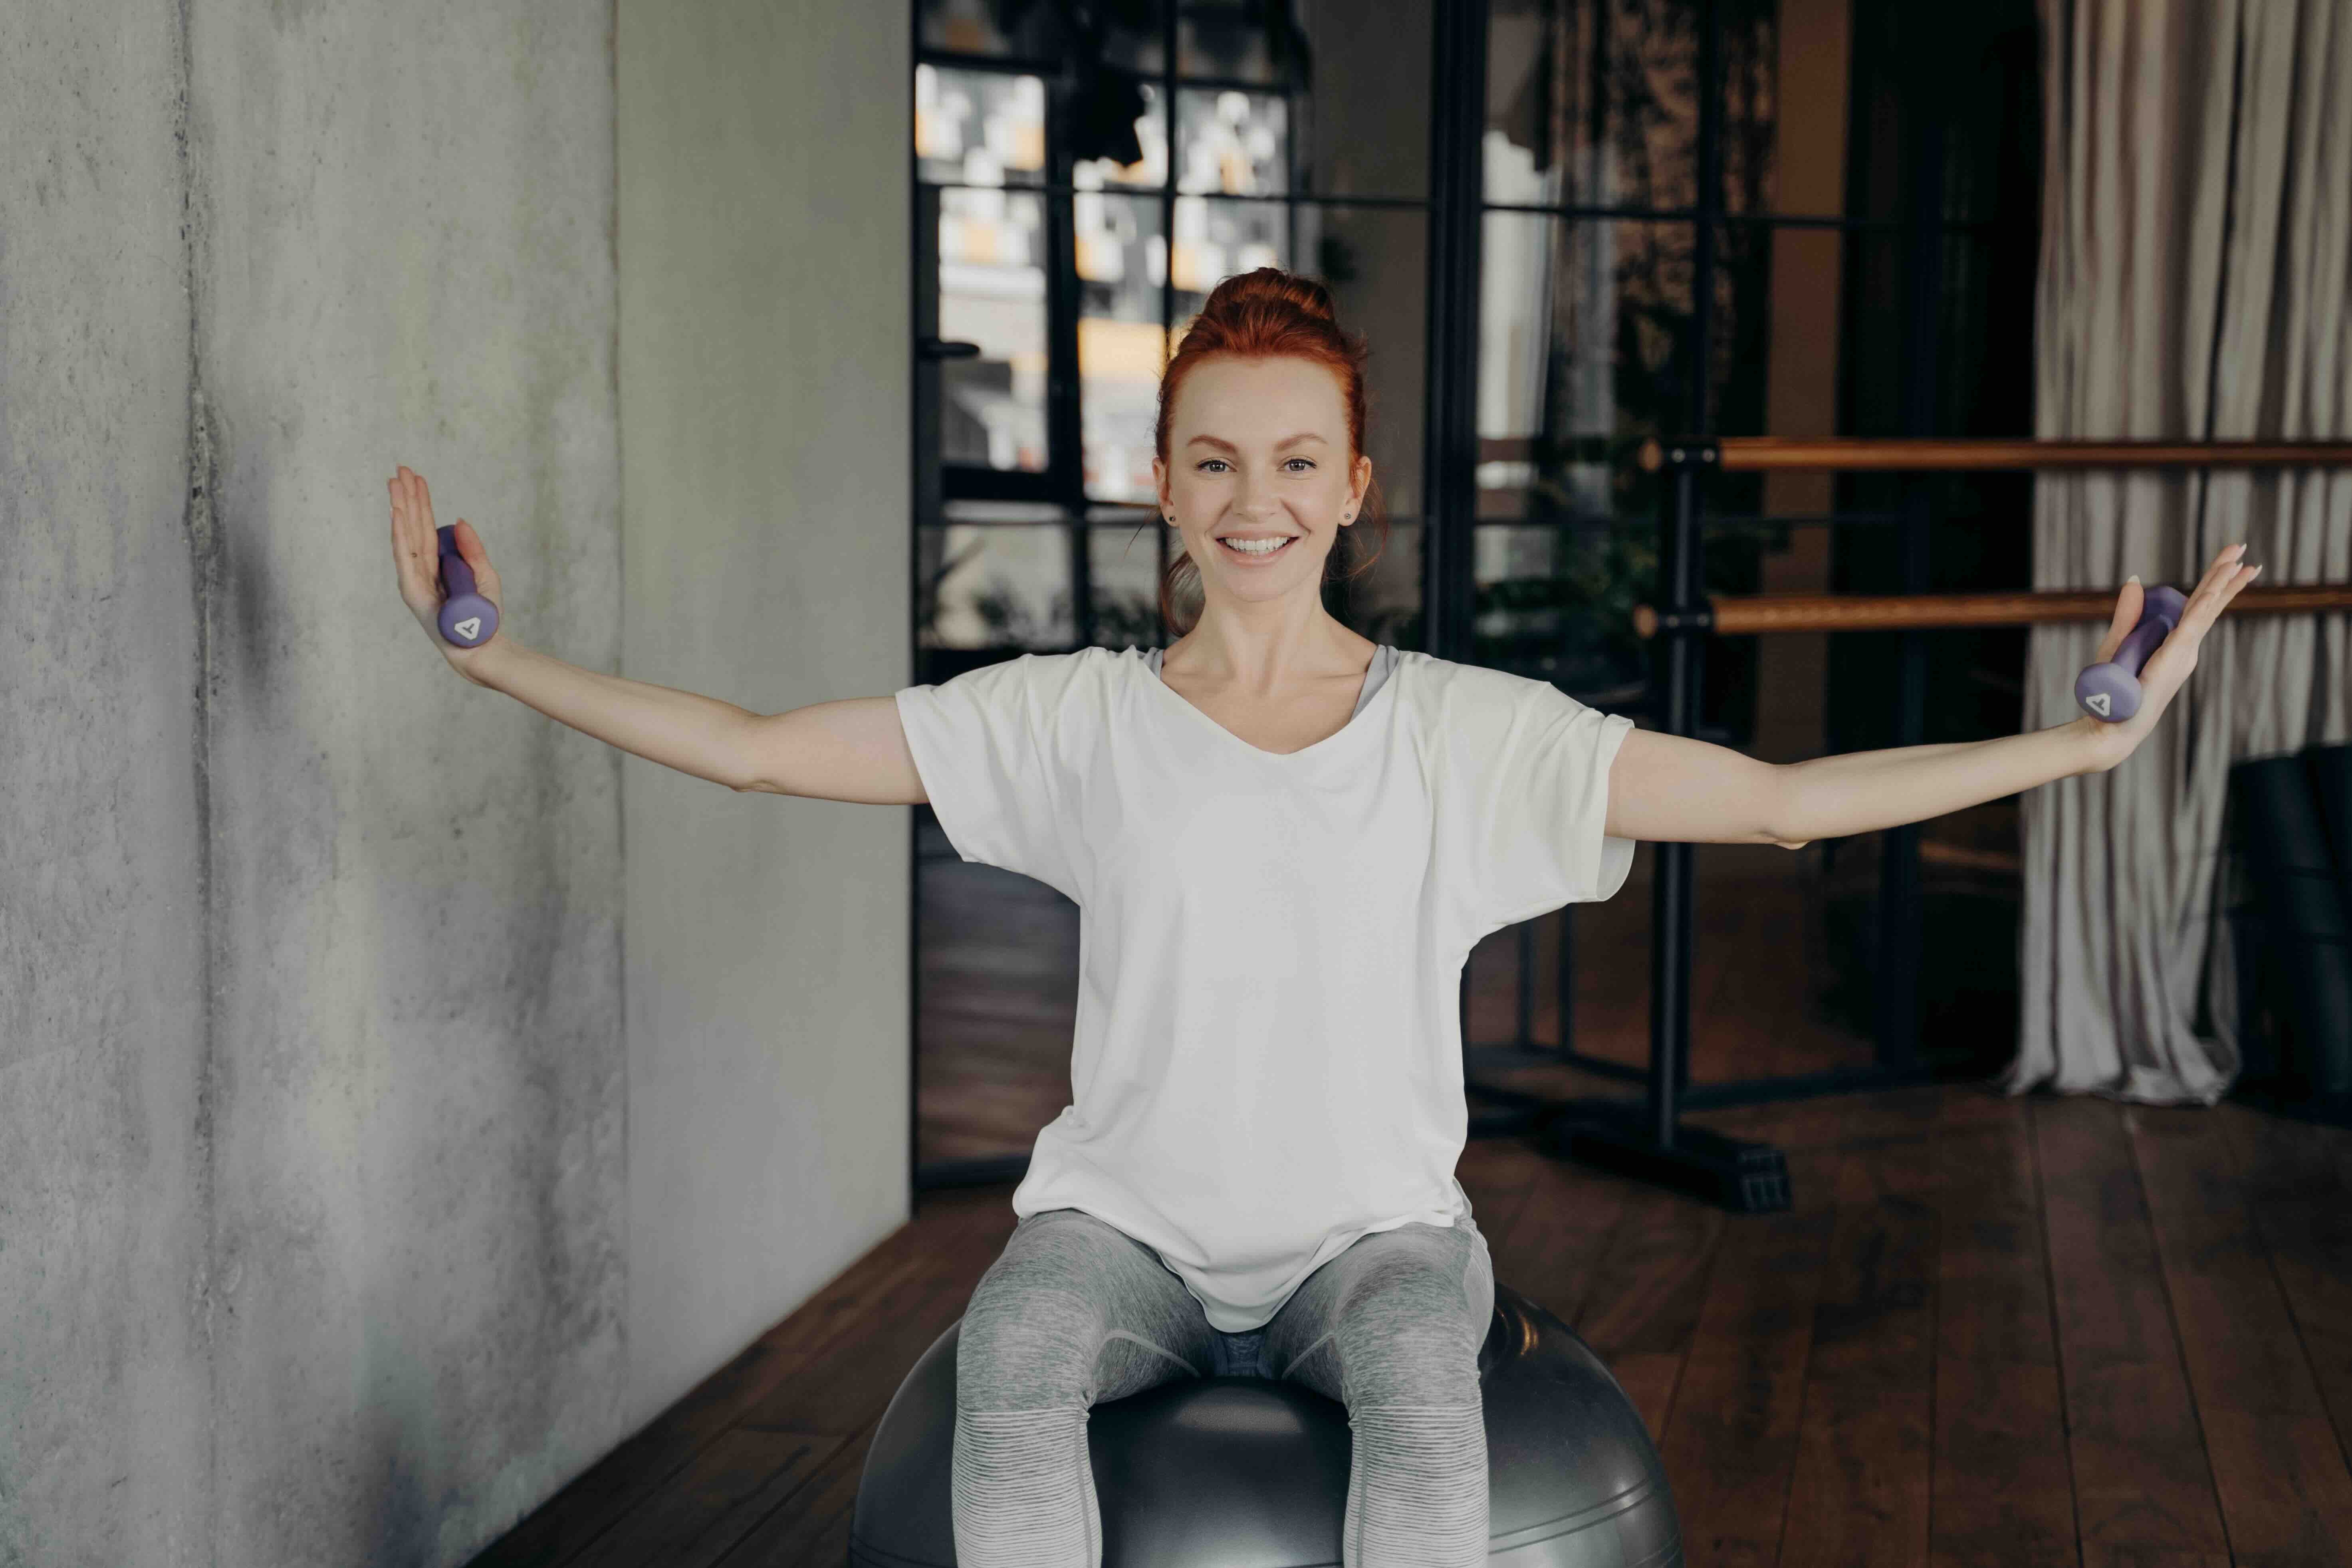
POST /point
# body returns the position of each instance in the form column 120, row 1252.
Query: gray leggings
column 1075, row 1312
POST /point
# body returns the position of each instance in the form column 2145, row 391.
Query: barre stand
column 1647, row 1142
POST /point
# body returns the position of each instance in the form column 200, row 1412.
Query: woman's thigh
column 1395, row 1319
column 1075, row 1312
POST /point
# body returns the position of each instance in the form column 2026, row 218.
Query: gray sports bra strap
column 1384, row 659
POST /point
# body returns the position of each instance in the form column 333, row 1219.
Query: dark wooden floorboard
column 2301, row 1201
column 2003, row 1493
column 2143, row 1486
column 1647, row 1288
column 1731, row 1438
column 1546, row 1242
column 1865, row 1456
column 711, row 1503
column 812, row 1530
column 2287, row 1497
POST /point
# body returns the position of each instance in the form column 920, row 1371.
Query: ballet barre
column 1646, row 1139
column 1769, row 454
column 1747, row 615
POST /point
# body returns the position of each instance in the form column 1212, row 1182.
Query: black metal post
column 1457, row 120
column 1899, row 888
column 1670, row 902
column 1065, row 457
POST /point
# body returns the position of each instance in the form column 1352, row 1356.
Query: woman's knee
column 1406, row 1335
column 1034, row 1328
column 1416, row 1359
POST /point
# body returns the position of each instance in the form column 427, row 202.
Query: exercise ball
column 1249, row 1472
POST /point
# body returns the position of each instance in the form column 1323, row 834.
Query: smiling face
column 1259, row 479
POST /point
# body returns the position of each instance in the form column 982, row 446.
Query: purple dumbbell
column 466, row 618
column 2110, row 691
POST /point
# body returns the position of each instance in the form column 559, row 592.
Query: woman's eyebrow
column 1278, row 445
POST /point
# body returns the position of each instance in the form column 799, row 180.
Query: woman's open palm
column 416, row 556
column 2167, row 669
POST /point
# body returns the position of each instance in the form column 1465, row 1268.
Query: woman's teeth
column 1256, row 546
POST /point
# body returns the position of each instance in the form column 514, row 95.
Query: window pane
column 1125, row 562
column 1121, row 346
column 1596, row 102
column 1363, row 128
column 1231, row 143
column 1559, row 602
column 979, row 127
column 993, row 293
column 994, row 583
column 1215, row 239
column 1261, row 43
column 1585, row 334
column 1133, row 31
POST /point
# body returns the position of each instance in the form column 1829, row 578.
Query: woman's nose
column 1257, row 498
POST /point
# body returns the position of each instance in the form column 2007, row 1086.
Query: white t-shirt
column 1267, row 1058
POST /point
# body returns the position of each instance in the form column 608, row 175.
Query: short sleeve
column 1531, row 781
column 981, row 743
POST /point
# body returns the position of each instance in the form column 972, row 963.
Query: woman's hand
column 2167, row 669
column 417, row 553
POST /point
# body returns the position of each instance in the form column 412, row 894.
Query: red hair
column 1268, row 314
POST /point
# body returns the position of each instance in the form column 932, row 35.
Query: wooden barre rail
column 1752, row 613
column 1757, row 453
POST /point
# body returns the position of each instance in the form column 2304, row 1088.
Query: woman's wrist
column 481, row 664
column 2100, row 746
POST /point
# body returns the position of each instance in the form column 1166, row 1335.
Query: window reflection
column 1215, row 239
column 1232, row 143
column 979, row 127
column 1596, row 102
column 993, row 293
column 1123, row 564
column 996, row 582
column 1254, row 43
column 1121, row 346
column 1132, row 35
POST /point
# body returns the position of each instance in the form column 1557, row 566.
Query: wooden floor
column 1990, row 1332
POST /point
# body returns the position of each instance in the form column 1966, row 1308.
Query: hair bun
column 1271, row 286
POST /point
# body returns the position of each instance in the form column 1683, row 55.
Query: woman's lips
column 1254, row 558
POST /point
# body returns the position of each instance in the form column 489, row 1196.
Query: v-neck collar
column 1360, row 719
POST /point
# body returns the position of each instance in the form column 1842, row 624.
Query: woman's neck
column 1268, row 657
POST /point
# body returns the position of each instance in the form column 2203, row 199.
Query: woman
column 1285, row 841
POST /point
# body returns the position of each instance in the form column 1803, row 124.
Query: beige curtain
column 2195, row 268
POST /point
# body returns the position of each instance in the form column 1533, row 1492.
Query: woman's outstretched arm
column 850, row 749
column 1676, row 789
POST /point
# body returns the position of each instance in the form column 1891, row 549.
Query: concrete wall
column 378, row 1144
column 765, row 382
